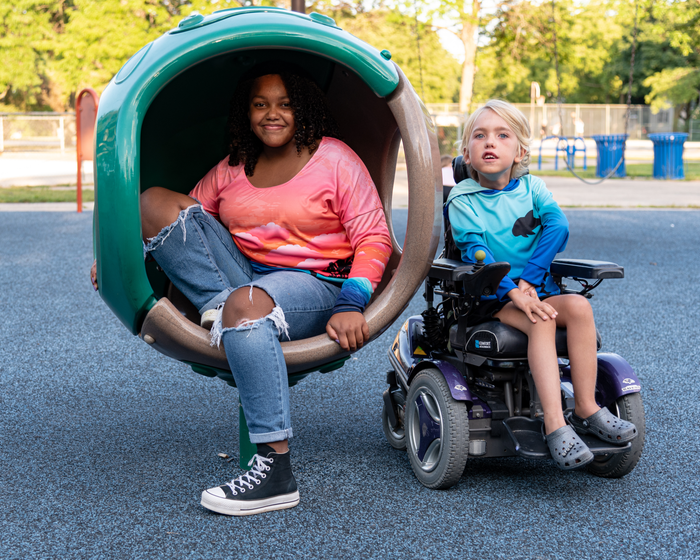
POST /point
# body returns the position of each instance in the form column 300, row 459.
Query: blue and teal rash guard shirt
column 520, row 224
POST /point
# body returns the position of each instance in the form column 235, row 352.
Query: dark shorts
column 485, row 310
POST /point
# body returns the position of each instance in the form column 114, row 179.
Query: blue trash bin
column 611, row 147
column 668, row 155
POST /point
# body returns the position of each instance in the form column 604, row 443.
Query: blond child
column 512, row 217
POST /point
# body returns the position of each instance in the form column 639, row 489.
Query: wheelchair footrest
column 526, row 434
column 599, row 447
column 527, row 437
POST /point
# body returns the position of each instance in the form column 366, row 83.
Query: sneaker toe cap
column 216, row 492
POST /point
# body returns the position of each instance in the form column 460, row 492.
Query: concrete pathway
column 612, row 193
column 49, row 168
column 33, row 169
column 625, row 193
column 44, row 206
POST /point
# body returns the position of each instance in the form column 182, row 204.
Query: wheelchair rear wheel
column 437, row 431
column 628, row 408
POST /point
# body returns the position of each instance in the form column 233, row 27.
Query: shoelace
column 253, row 476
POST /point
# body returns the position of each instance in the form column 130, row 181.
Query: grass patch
column 634, row 171
column 44, row 194
column 587, row 174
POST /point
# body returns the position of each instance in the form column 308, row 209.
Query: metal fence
column 37, row 131
column 694, row 131
column 577, row 120
column 56, row 131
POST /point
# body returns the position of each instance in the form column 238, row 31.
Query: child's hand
column 93, row 275
column 532, row 306
column 528, row 289
column 349, row 329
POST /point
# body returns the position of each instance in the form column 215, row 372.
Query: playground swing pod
column 161, row 122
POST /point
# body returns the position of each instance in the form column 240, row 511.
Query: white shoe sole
column 208, row 318
column 239, row 508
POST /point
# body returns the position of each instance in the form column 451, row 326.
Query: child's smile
column 492, row 150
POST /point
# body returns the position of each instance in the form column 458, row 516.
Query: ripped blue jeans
column 199, row 256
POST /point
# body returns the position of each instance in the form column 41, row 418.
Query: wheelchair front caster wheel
column 396, row 436
column 437, row 431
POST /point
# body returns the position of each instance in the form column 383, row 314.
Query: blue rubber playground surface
column 106, row 445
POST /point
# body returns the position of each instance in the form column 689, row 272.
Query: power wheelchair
column 459, row 392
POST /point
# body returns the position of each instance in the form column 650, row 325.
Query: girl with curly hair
column 283, row 239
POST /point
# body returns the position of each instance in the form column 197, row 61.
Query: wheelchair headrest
column 460, row 170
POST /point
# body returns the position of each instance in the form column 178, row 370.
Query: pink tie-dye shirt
column 327, row 220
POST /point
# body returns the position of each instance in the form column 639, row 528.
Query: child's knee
column 579, row 307
column 160, row 208
column 153, row 199
column 543, row 328
column 246, row 304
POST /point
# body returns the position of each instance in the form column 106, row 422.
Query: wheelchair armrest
column 483, row 281
column 449, row 269
column 581, row 268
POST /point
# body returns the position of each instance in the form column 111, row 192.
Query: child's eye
column 503, row 135
column 478, row 135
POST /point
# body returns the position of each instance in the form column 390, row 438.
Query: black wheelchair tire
column 395, row 437
column 630, row 408
column 451, row 456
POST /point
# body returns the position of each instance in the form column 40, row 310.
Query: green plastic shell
column 160, row 102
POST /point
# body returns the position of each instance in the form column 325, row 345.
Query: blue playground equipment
column 568, row 145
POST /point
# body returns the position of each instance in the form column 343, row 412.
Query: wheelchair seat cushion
column 497, row 340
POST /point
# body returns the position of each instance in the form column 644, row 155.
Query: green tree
column 676, row 23
column 594, row 44
column 415, row 47
column 27, row 29
column 463, row 22
column 51, row 50
column 521, row 46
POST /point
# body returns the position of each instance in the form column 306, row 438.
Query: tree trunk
column 470, row 25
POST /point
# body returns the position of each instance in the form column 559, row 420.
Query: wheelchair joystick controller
column 479, row 256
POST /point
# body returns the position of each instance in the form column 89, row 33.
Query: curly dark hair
column 312, row 117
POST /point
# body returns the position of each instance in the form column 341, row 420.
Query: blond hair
column 518, row 124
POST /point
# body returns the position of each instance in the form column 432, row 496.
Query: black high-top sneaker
column 267, row 486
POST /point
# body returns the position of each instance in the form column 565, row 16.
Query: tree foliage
column 51, row 49
column 432, row 71
column 594, row 44
column 463, row 17
column 676, row 24
column 27, row 28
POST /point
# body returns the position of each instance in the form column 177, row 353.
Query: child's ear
column 522, row 151
column 465, row 156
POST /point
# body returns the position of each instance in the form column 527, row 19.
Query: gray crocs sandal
column 567, row 449
column 606, row 426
